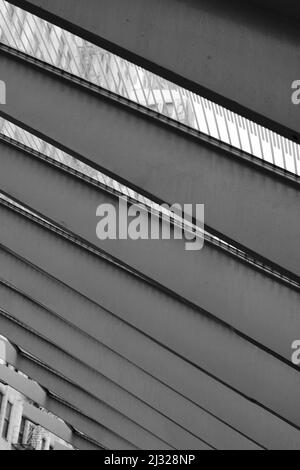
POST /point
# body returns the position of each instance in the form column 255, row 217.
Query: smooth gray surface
column 215, row 281
column 290, row 8
column 136, row 349
column 200, row 340
column 189, row 391
column 241, row 54
column 242, row 201
column 110, row 398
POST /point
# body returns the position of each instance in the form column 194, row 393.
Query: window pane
column 44, row 442
column 8, row 411
column 7, row 420
column 22, row 429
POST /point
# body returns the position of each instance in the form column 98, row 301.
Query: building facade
column 17, row 431
column 21, row 418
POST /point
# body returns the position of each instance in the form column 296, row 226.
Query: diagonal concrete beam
column 243, row 201
column 201, row 340
column 68, row 387
column 100, row 372
column 188, row 388
column 213, row 280
column 244, row 56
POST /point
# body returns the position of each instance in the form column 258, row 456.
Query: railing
column 57, row 47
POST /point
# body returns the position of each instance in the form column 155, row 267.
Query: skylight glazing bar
column 49, row 43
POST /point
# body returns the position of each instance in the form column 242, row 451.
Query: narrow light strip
column 44, row 41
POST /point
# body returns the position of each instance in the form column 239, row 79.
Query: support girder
column 118, row 389
column 243, row 56
column 201, row 340
column 214, row 281
column 242, row 201
column 196, row 389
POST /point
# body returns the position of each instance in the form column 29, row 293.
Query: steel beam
column 201, row 340
column 242, row 56
column 196, row 390
column 209, row 275
column 242, row 201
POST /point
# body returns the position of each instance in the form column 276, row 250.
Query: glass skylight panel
column 44, row 41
